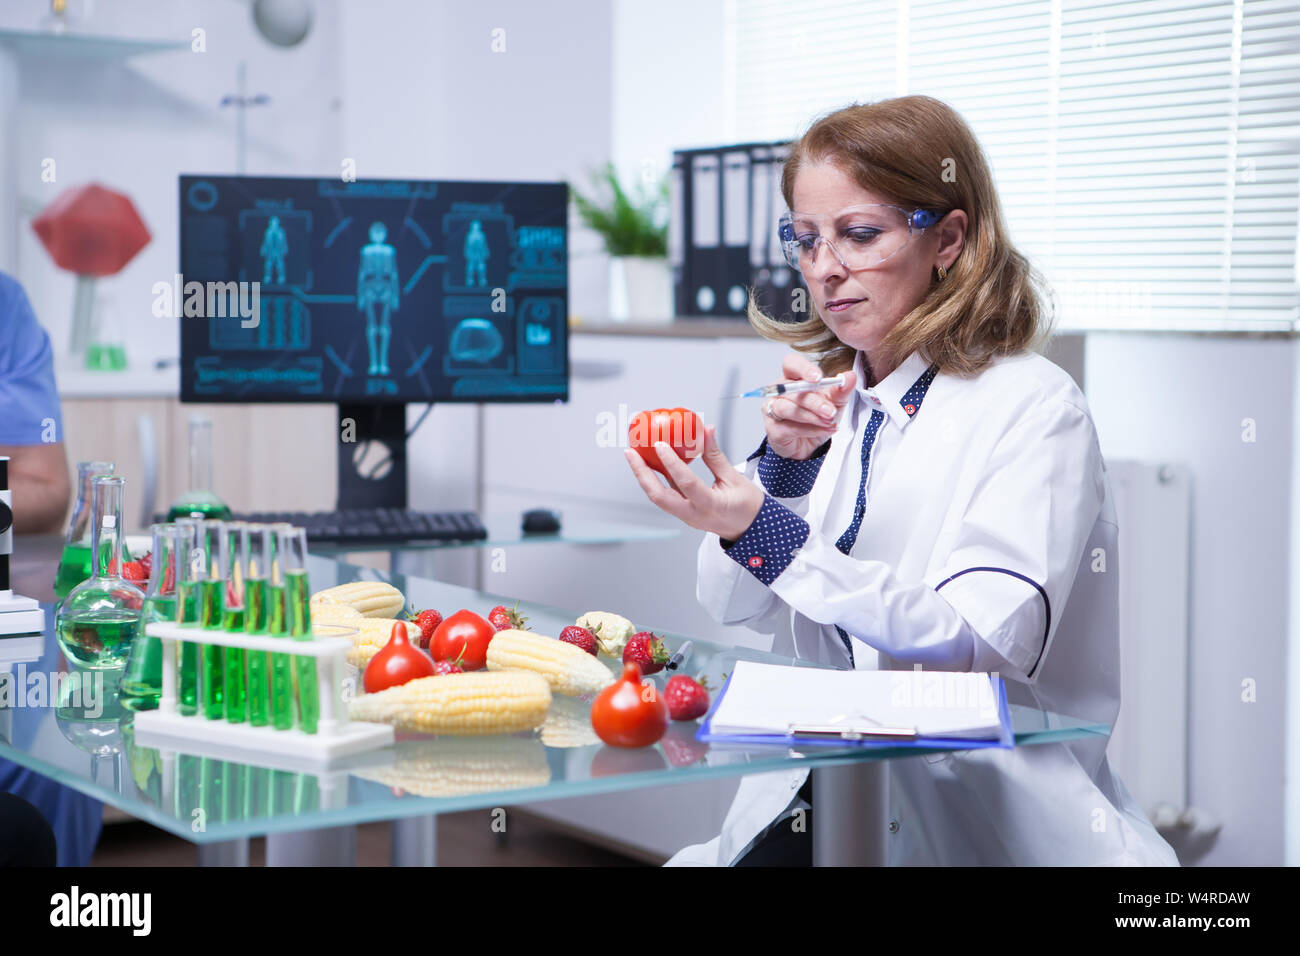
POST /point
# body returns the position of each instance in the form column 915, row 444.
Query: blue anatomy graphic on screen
column 378, row 295
column 476, row 255
column 275, row 246
column 386, row 290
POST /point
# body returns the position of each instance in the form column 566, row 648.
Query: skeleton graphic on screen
column 378, row 294
column 476, row 255
column 275, row 246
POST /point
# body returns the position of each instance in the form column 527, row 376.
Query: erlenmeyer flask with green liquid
column 198, row 499
column 97, row 622
column 106, row 350
column 74, row 565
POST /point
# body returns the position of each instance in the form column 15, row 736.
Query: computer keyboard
column 377, row 525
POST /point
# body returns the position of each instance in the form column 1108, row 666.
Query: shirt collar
column 901, row 392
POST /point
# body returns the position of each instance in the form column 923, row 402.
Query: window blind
column 1146, row 152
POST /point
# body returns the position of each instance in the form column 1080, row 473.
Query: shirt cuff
column 769, row 544
column 788, row 477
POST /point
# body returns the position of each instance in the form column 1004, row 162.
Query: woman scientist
column 946, row 507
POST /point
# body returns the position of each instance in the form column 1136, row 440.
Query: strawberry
column 645, row 649
column 135, row 571
column 680, row 746
column 580, row 637
column 147, row 563
column 686, row 698
column 450, row 667
column 427, row 621
column 504, row 619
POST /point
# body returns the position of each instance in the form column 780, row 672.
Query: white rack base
column 242, row 742
column 20, row 615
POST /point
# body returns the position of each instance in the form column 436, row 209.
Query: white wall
column 1184, row 398
column 668, row 82
column 423, row 94
column 135, row 125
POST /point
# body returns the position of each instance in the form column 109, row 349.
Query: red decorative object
column 91, row 230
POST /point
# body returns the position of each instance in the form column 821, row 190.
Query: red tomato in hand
column 465, row 631
column 681, row 428
column 628, row 713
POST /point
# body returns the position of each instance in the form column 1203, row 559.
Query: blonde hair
column 993, row 300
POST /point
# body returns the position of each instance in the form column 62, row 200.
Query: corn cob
column 371, row 598
column 460, row 704
column 568, row 670
column 612, row 631
column 327, row 612
column 449, row 768
column 568, row 723
column 372, row 634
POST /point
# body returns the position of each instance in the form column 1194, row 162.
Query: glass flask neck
column 200, row 455
column 79, row 523
column 106, row 528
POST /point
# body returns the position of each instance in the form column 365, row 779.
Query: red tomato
column 465, row 631
column 396, row 663
column 681, row 428
column 629, row 714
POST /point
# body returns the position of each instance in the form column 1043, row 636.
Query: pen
column 675, row 661
column 793, row 388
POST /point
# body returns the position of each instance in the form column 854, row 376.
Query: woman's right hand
column 797, row 425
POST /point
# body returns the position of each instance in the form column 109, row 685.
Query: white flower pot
column 640, row 289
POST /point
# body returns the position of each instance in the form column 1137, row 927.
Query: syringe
column 793, row 388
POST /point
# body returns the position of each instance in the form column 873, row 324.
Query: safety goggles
column 863, row 236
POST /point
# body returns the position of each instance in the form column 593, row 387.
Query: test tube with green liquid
column 211, row 603
column 291, row 549
column 278, row 626
column 230, row 564
column 256, row 553
column 192, row 571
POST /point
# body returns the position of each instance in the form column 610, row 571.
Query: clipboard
column 857, row 735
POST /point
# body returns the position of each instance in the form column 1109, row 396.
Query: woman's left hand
column 727, row 508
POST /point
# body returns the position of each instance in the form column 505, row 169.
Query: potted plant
column 635, row 233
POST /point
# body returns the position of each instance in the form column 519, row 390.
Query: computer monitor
column 372, row 291
column 370, row 294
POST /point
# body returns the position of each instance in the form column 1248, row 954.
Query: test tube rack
column 336, row 736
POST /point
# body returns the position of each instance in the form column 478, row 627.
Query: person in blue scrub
column 31, row 434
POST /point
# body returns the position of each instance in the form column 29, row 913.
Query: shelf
column 689, row 328
column 84, row 46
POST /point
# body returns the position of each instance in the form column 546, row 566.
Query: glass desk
column 217, row 804
column 507, row 529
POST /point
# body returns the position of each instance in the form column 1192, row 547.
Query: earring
column 943, row 273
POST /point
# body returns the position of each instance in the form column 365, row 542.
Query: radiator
column 1149, row 744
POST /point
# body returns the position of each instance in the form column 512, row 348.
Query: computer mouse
column 541, row 521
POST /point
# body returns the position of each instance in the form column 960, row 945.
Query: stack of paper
column 768, row 699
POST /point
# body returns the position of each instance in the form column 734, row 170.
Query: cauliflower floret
column 612, row 631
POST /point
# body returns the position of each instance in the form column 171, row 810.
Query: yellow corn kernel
column 460, row 704
column 568, row 723
column 448, row 768
column 371, row 598
column 569, row 670
column 327, row 612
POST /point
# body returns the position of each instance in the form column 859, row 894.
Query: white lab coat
column 1001, row 470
